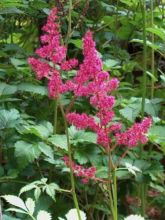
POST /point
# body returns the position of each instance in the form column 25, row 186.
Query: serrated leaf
column 149, row 43
column 9, row 118
column 157, row 135
column 26, row 153
column 76, row 42
column 51, row 189
column 46, row 150
column 16, row 210
column 6, row 89
column 78, row 136
column 44, row 180
column 132, row 169
column 15, row 201
column 43, row 130
column 27, row 188
column 160, row 32
column 9, row 217
column 37, row 193
column 81, row 157
column 102, row 172
column 30, row 204
column 130, row 112
column 43, row 215
column 32, row 88
column 59, row 141
column 72, row 214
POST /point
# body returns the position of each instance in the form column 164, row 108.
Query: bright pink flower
column 59, row 55
column 42, row 69
column 102, row 101
column 84, row 173
column 68, row 86
column 102, row 138
column 54, row 85
column 102, row 76
column 52, row 54
column 105, row 117
column 135, row 135
column 113, row 84
column 92, row 63
column 69, row 64
column 81, row 121
column 115, row 127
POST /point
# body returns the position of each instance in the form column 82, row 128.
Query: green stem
column 69, row 23
column 143, row 198
column 144, row 88
column 110, row 192
column 112, row 186
column 115, row 194
column 55, row 116
column 152, row 50
column 70, row 161
column 31, row 216
column 144, row 57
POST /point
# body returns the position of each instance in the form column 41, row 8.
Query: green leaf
column 51, row 189
column 6, row 89
column 36, row 89
column 130, row 112
column 81, row 157
column 152, row 76
column 157, row 187
column 9, row 118
column 15, row 201
column 132, row 169
column 16, row 210
column 26, row 153
column 11, row 11
column 122, row 174
column 18, row 63
column 157, row 135
column 7, row 217
column 43, row 215
column 129, row 3
column 30, row 204
column 72, row 214
column 42, row 131
column 37, row 193
column 149, row 44
column 46, row 150
column 152, row 106
column 27, row 188
column 59, row 141
column 102, row 172
column 77, row 136
column 160, row 32
column 77, row 43
column 110, row 63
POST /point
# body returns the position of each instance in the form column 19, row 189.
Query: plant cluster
column 84, row 139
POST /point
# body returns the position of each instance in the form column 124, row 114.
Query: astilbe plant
column 96, row 85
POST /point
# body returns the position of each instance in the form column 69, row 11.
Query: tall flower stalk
column 95, row 85
column 152, row 50
column 51, row 62
column 70, row 162
column 144, row 89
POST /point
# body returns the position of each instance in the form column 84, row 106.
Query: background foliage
column 29, row 151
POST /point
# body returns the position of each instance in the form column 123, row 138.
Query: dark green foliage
column 29, row 150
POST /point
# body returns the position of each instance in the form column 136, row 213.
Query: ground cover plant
column 81, row 117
